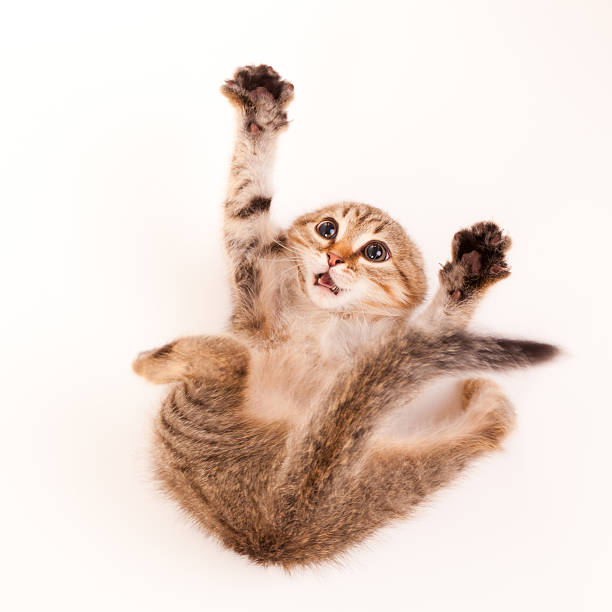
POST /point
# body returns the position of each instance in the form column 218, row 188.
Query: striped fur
column 268, row 434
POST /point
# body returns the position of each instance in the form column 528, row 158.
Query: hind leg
column 387, row 482
column 194, row 358
column 396, row 477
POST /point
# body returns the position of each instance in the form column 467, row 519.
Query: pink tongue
column 326, row 281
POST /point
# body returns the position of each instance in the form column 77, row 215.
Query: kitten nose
column 334, row 259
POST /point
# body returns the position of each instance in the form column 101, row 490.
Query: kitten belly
column 286, row 384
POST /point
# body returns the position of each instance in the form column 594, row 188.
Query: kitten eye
column 376, row 251
column 327, row 229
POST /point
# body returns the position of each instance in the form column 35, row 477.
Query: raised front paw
column 262, row 95
column 478, row 260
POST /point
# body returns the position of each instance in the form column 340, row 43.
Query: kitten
column 267, row 434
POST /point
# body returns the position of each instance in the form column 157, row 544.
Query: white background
column 114, row 151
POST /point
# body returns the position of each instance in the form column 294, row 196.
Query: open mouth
column 325, row 280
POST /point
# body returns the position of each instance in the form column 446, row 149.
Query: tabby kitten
column 268, row 433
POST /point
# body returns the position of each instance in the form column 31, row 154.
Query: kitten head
column 355, row 258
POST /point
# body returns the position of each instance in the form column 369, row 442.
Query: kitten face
column 355, row 258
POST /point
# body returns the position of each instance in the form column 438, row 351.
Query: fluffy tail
column 461, row 352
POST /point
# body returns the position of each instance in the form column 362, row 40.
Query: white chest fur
column 291, row 380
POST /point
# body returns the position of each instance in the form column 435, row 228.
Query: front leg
column 396, row 476
column 478, row 261
column 260, row 97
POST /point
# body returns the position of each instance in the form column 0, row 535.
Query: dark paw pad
column 478, row 259
column 259, row 79
column 254, row 84
column 472, row 262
